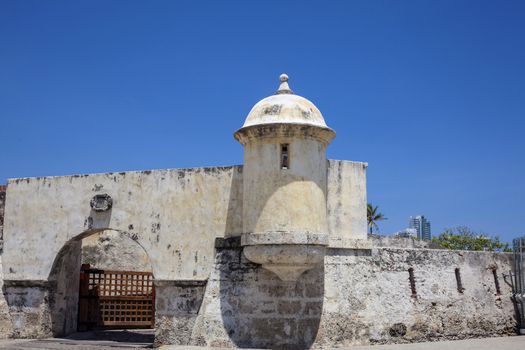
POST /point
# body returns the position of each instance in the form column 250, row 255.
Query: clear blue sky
column 430, row 93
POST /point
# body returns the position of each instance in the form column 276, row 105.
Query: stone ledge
column 270, row 131
column 284, row 237
column 180, row 283
column 44, row 284
column 342, row 243
column 334, row 252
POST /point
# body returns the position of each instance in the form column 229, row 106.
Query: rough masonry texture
column 2, row 207
column 270, row 254
column 113, row 250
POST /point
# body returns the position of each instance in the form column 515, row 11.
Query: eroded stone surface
column 159, row 210
column 2, row 208
column 113, row 250
column 357, row 297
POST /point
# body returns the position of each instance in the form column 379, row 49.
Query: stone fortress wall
column 359, row 296
column 171, row 214
column 271, row 254
column 5, row 318
column 362, row 294
column 174, row 217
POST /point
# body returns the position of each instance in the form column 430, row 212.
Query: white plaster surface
column 174, row 215
column 114, row 250
column 346, row 202
column 285, row 108
column 276, row 199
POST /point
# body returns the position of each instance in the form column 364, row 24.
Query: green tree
column 463, row 238
column 373, row 216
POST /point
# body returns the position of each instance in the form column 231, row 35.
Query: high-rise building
column 422, row 226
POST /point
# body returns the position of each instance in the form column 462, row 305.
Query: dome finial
column 283, row 87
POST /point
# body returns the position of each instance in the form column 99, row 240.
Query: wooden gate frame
column 115, row 299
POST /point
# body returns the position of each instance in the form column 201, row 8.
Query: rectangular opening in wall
column 496, row 281
column 285, row 157
column 458, row 281
column 412, row 282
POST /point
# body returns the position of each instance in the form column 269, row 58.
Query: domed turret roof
column 284, row 107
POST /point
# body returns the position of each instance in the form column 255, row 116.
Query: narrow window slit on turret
column 285, row 158
column 458, row 280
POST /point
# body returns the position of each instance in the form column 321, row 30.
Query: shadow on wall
column 63, row 280
column 234, row 214
column 261, row 311
column 45, row 308
column 63, row 291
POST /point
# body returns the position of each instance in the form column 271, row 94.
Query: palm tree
column 373, row 217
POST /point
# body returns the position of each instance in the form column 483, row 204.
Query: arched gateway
column 161, row 211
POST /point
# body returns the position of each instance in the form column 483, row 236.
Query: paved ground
column 123, row 340
column 100, row 340
column 504, row 343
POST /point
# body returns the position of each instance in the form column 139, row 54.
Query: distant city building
column 406, row 233
column 422, row 227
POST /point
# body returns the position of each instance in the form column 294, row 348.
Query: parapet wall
column 398, row 295
column 188, row 222
column 357, row 297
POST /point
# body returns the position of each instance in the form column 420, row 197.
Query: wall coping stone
column 339, row 242
column 29, row 284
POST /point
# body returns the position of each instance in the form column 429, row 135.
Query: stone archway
column 49, row 307
column 63, row 280
column 174, row 215
column 114, row 250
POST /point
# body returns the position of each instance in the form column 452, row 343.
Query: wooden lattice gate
column 116, row 299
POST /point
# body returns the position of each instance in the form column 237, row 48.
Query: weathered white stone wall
column 346, row 202
column 165, row 220
column 357, row 297
column 5, row 319
column 289, row 200
column 113, row 250
column 401, row 242
column 6, row 327
column 368, row 298
column 173, row 214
